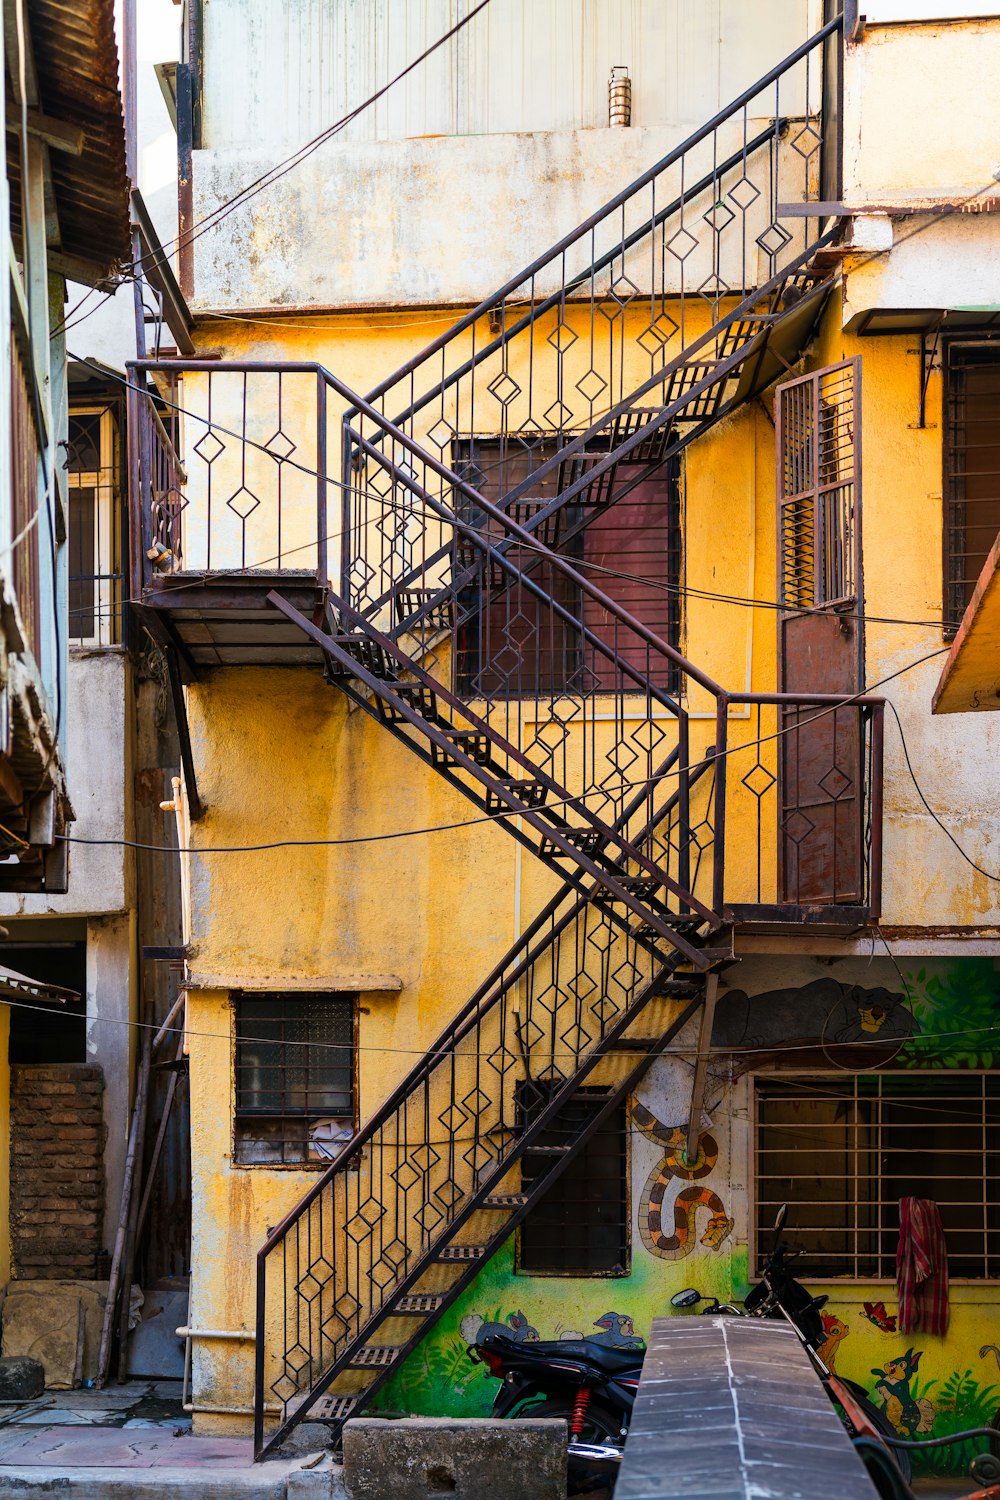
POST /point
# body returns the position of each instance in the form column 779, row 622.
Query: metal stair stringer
column 513, row 785
column 336, row 1410
column 566, row 971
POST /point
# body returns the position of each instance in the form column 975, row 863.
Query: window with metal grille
column 580, row 1227
column 512, row 644
column 93, row 462
column 841, row 1152
column 971, row 451
column 295, row 1076
column 819, row 486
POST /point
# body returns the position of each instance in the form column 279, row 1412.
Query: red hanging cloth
column 921, row 1268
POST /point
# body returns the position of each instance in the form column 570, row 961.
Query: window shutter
column 818, row 439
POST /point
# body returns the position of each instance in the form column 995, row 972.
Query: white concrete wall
column 502, row 136
column 100, row 771
column 920, row 110
column 275, row 76
column 111, row 1043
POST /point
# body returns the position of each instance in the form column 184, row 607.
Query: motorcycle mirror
column 687, row 1298
column 780, row 1217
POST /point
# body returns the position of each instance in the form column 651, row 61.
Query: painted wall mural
column 689, row 1221
column 674, row 1165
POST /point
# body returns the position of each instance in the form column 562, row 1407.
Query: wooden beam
column 159, row 273
column 55, row 133
column 701, row 1063
column 195, row 804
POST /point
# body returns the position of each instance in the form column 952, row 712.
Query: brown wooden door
column 821, row 798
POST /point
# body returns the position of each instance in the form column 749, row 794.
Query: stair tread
column 504, row 1200
column 461, row 1252
column 332, row 1408
column 420, row 1302
column 374, row 1355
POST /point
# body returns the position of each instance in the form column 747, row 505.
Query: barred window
column 93, row 463
column 295, row 1076
column 580, row 1227
column 971, row 467
column 841, row 1152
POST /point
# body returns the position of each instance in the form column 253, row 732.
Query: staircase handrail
column 453, row 481
column 649, row 175
column 477, row 1006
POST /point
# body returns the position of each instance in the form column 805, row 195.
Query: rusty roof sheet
column 76, row 58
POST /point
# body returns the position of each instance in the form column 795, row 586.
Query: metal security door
column 821, row 810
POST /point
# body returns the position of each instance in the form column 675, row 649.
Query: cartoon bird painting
column 875, row 1313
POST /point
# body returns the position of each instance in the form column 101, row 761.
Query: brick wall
column 56, row 1170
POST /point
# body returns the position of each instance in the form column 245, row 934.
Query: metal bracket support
column 195, row 804
column 930, row 348
column 701, row 1063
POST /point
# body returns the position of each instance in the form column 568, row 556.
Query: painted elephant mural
column 674, row 1165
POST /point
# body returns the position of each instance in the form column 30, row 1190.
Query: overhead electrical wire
column 643, row 782
column 53, row 1012
column 747, row 602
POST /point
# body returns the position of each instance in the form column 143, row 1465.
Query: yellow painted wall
column 280, row 756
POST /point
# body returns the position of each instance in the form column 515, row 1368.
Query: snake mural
column 688, row 1201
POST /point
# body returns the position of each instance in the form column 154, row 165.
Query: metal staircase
column 396, row 1229
column 560, row 731
column 465, row 621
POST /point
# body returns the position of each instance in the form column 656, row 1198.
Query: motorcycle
column 593, row 1385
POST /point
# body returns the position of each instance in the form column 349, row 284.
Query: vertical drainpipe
column 188, row 115
column 130, row 85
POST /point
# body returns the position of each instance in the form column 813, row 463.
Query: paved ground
column 135, row 1441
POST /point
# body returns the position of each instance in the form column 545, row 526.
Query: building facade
column 574, row 869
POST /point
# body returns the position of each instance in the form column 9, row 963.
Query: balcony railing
column 789, row 820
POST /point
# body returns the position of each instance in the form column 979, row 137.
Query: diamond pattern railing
column 392, row 1204
column 464, row 626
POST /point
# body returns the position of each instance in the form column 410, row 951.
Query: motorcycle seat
column 604, row 1356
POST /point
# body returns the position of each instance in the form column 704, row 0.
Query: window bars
column 971, row 467
column 842, row 1152
column 295, row 1069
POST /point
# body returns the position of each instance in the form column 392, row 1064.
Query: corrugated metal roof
column 76, row 58
column 13, row 983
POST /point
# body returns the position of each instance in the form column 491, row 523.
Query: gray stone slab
column 758, row 1422
column 423, row 1458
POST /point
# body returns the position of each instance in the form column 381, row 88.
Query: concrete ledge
column 429, row 1458
column 262, row 1482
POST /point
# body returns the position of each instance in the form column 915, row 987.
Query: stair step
column 367, row 653
column 461, row 1252
column 332, row 1408
column 422, row 700
column 505, row 1200
column 589, row 841
column 536, row 1150
column 375, row 1356
column 410, row 601
column 530, row 793
column 643, row 887
column 472, row 742
column 419, row 1302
